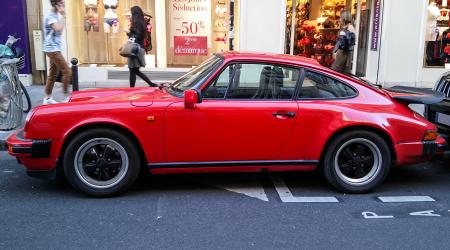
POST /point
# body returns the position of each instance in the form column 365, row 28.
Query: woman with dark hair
column 343, row 51
column 138, row 31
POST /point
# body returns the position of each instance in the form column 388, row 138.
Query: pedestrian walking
column 343, row 50
column 138, row 31
column 53, row 27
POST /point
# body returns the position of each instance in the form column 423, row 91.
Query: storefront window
column 97, row 29
column 437, row 34
column 312, row 27
column 196, row 29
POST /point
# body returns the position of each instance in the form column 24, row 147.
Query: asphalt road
column 193, row 212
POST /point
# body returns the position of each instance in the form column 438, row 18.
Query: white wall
column 262, row 25
column 402, row 45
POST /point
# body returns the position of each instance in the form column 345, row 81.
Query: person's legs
column 133, row 77
column 51, row 75
column 145, row 78
column 61, row 63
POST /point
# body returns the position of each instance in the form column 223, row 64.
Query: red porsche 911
column 236, row 112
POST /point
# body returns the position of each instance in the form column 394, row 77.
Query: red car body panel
column 227, row 130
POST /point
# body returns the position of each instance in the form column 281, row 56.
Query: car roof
column 298, row 60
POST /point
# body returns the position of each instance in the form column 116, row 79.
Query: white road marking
column 372, row 215
column 248, row 187
column 429, row 213
column 8, row 171
column 254, row 192
column 286, row 195
column 389, row 199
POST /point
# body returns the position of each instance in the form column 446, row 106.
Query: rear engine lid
column 411, row 95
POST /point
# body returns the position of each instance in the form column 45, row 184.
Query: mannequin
column 433, row 15
column 148, row 46
column 91, row 16
column 111, row 21
column 127, row 23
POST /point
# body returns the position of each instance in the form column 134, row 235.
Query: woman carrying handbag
column 138, row 31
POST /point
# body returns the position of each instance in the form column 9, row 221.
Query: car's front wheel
column 101, row 162
column 357, row 162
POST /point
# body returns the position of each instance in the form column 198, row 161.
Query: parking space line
column 391, row 199
column 286, row 196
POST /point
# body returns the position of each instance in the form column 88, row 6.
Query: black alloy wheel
column 101, row 162
column 357, row 162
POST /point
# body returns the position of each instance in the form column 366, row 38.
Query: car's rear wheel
column 101, row 162
column 357, row 162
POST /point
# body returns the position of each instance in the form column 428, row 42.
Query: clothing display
column 111, row 20
column 91, row 22
column 433, row 14
column 445, row 46
column 437, row 36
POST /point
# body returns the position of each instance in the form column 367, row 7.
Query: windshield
column 197, row 75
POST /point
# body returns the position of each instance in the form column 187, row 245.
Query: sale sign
column 190, row 26
column 191, row 45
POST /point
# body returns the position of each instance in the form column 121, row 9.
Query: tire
column 357, row 162
column 101, row 162
column 27, row 103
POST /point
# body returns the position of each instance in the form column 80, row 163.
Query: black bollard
column 74, row 63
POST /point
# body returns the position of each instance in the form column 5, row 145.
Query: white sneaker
column 49, row 100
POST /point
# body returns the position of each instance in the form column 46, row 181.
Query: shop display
column 111, row 20
column 148, row 39
column 91, row 22
column 437, row 36
column 315, row 25
column 221, row 25
column 96, row 29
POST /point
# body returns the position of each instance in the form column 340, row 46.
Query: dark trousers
column 136, row 72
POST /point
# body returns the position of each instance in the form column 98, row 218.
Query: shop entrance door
column 362, row 29
column 312, row 26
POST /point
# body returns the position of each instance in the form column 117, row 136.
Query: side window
column 317, row 86
column 218, row 88
column 263, row 81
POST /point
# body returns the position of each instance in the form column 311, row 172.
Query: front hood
column 411, row 95
column 136, row 96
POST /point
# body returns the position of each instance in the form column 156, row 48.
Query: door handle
column 287, row 114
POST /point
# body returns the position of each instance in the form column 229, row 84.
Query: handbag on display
column 130, row 48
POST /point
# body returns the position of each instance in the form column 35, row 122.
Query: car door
column 247, row 114
column 322, row 101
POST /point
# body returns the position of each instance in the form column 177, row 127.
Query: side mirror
column 192, row 97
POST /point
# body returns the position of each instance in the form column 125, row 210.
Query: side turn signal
column 430, row 135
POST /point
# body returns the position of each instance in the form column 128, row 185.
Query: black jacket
column 139, row 34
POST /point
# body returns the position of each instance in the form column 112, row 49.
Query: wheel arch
column 108, row 125
column 380, row 132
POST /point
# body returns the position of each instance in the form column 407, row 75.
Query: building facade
column 392, row 41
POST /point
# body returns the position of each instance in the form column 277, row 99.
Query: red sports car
column 236, row 112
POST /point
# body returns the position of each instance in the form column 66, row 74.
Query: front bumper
column 18, row 146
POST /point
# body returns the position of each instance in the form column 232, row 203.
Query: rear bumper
column 415, row 152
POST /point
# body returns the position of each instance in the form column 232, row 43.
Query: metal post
column 74, row 63
column 231, row 35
